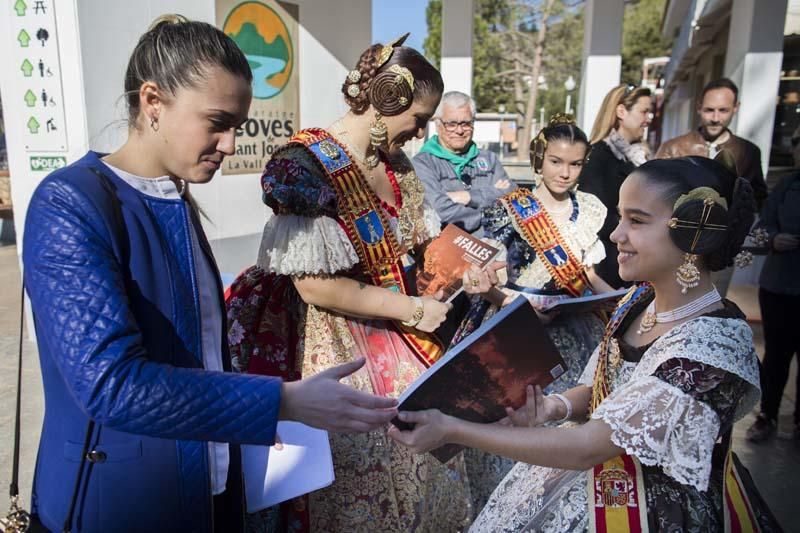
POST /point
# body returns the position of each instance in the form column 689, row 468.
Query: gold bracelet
column 419, row 312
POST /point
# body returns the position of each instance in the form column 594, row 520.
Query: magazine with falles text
column 447, row 258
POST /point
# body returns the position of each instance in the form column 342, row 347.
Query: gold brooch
column 388, row 49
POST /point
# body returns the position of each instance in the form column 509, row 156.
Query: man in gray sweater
column 460, row 180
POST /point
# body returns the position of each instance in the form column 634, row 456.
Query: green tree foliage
column 641, row 37
column 432, row 46
column 495, row 20
column 505, row 34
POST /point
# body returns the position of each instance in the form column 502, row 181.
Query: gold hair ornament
column 710, row 197
column 688, row 275
column 388, row 49
column 402, row 74
column 561, row 118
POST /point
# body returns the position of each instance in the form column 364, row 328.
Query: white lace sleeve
column 433, row 223
column 661, row 425
column 294, row 245
column 595, row 253
column 587, row 378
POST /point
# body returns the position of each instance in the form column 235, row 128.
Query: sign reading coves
column 266, row 31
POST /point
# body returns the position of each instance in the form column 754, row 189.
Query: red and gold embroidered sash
column 616, row 488
column 737, row 510
column 534, row 224
column 368, row 229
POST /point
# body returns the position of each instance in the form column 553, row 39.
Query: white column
column 602, row 59
column 753, row 62
column 456, row 64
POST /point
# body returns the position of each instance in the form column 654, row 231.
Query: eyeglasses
column 453, row 125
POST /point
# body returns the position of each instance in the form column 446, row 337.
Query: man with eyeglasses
column 460, row 179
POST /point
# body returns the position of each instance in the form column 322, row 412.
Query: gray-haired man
column 460, row 180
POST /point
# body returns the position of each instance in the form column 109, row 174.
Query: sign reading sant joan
column 266, row 31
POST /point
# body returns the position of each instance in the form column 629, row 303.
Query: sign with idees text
column 266, row 31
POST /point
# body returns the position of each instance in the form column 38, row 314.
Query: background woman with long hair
column 617, row 149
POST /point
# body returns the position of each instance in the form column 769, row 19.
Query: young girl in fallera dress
column 657, row 401
column 529, row 223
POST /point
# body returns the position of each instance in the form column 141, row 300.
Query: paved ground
column 775, row 466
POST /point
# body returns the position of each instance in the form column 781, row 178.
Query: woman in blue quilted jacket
column 140, row 404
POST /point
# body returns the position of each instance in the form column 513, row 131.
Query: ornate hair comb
column 561, row 118
column 388, row 50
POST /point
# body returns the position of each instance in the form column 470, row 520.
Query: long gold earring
column 688, row 275
column 378, row 134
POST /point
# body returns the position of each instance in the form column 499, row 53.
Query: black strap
column 14, row 487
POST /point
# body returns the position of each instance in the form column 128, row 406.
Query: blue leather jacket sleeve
column 85, row 322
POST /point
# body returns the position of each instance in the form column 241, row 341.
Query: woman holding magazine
column 675, row 369
column 550, row 234
column 330, row 287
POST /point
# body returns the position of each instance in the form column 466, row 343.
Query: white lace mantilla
column 662, row 425
column 580, row 237
column 296, row 245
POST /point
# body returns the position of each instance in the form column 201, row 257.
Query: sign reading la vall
column 266, row 31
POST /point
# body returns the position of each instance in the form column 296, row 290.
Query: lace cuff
column 587, row 377
column 595, row 254
column 294, row 245
column 663, row 426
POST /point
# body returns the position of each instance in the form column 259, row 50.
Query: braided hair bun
column 391, row 88
column 366, row 67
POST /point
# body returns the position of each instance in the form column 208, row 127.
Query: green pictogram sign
column 33, row 125
column 23, row 38
column 27, row 68
column 30, row 98
column 20, row 6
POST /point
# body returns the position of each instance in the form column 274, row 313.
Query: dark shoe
column 762, row 429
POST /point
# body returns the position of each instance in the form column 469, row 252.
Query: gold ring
column 475, row 282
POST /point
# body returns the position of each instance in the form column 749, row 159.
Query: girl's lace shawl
column 660, row 424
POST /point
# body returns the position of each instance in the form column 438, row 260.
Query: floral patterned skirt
column 380, row 486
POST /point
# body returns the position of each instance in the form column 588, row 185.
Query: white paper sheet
column 303, row 465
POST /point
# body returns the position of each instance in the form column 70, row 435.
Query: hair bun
column 686, row 222
column 390, row 93
column 168, row 19
column 562, row 118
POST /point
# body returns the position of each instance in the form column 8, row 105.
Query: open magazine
column 302, row 464
column 585, row 304
column 446, row 260
column 487, row 371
